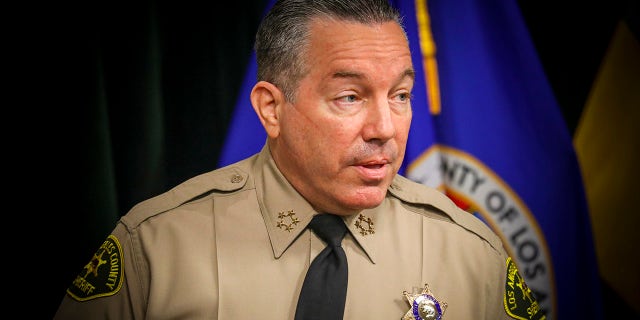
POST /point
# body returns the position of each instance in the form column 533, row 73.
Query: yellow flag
column 607, row 142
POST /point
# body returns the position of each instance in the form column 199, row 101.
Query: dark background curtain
column 133, row 98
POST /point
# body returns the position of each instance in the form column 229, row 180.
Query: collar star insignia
column 424, row 306
column 365, row 225
column 289, row 216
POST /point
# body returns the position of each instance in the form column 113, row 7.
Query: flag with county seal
column 488, row 132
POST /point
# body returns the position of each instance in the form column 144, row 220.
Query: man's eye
column 404, row 96
column 350, row 98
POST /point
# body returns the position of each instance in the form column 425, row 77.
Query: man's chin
column 367, row 198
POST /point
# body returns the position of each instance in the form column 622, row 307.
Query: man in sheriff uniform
column 334, row 89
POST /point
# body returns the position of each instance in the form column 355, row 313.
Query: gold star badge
column 424, row 306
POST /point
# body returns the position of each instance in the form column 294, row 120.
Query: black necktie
column 325, row 287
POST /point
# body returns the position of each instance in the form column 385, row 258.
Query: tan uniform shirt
column 232, row 244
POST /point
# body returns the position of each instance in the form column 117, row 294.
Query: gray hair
column 283, row 35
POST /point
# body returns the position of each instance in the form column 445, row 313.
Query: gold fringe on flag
column 428, row 48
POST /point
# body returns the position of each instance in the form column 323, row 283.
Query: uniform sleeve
column 514, row 299
column 497, row 309
column 111, row 285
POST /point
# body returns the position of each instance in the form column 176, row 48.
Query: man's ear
column 267, row 100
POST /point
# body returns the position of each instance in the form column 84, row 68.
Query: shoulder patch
column 519, row 302
column 102, row 276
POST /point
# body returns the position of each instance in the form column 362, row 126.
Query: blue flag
column 488, row 131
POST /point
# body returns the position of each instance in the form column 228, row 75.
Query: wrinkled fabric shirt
column 233, row 244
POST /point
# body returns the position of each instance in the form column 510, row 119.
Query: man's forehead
column 342, row 50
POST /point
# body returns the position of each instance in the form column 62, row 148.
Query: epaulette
column 418, row 194
column 226, row 179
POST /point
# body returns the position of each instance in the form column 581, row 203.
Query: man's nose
column 379, row 124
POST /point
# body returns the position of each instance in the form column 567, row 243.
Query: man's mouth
column 373, row 170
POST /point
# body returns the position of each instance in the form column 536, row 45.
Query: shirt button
column 236, row 178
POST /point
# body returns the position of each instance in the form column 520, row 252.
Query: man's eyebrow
column 409, row 72
column 347, row 74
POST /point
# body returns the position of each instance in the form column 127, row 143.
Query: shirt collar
column 286, row 213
